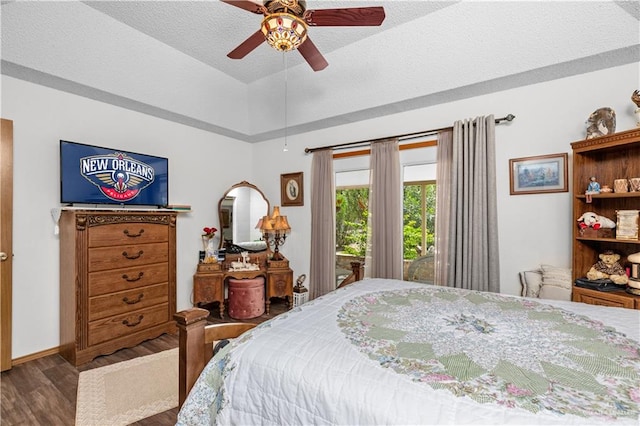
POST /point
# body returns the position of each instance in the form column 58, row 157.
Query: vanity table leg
column 267, row 304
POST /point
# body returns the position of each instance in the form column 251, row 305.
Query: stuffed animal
column 608, row 267
column 595, row 221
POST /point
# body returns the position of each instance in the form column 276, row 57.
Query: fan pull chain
column 286, row 109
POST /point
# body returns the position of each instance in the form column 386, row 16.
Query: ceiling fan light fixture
column 284, row 31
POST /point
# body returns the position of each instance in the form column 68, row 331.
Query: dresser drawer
column 120, row 325
column 127, row 301
column 117, row 257
column 618, row 298
column 127, row 233
column 279, row 284
column 110, row 281
column 208, row 288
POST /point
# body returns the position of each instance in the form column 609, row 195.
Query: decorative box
column 627, row 224
column 209, row 267
column 597, row 233
column 278, row 264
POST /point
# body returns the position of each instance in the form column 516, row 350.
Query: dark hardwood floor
column 43, row 391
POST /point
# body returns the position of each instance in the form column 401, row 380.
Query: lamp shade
column 281, row 224
column 276, row 212
column 266, row 227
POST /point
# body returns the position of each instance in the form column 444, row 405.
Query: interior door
column 6, row 240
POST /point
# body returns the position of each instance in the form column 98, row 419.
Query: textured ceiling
column 168, row 58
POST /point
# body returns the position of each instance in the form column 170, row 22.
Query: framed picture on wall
column 540, row 174
column 225, row 218
column 291, row 189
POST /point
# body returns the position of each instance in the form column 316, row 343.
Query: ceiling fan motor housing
column 295, row 7
column 284, row 31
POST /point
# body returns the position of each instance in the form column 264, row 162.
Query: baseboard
column 34, row 356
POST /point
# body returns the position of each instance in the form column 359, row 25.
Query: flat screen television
column 95, row 175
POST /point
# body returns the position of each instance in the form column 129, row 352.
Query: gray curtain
column 385, row 211
column 322, row 273
column 471, row 240
column 444, row 169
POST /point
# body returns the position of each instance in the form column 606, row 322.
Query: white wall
column 199, row 173
column 534, row 229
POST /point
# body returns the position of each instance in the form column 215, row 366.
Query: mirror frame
column 243, row 184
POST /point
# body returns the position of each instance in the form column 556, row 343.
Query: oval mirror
column 239, row 210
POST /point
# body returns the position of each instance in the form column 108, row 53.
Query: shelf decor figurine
column 300, row 292
column 601, row 122
column 593, row 188
column 635, row 97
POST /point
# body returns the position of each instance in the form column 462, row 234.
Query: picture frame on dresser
column 539, row 174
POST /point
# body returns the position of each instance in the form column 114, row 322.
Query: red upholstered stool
column 246, row 298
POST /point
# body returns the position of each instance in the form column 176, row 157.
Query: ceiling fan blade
column 312, row 55
column 246, row 5
column 255, row 40
column 349, row 17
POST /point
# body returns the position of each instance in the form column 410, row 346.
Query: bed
column 394, row 352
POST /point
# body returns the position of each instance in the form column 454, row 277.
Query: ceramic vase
column 209, row 249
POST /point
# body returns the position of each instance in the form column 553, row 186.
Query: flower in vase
column 209, row 232
column 207, row 242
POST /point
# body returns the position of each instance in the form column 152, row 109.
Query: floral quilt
column 388, row 352
column 514, row 352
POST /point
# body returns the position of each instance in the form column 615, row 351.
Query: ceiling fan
column 286, row 22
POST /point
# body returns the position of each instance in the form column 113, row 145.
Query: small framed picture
column 225, row 218
column 540, row 174
column 291, row 189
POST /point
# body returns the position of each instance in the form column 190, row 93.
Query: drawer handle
column 126, row 232
column 133, row 256
column 134, row 301
column 126, row 277
column 133, row 324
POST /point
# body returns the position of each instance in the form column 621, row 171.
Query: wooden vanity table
column 210, row 280
column 238, row 211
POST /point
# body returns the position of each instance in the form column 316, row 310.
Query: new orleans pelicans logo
column 118, row 176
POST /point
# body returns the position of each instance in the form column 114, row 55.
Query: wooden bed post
column 192, row 360
column 357, row 273
column 356, row 268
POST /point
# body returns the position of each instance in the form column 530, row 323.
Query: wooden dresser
column 117, row 280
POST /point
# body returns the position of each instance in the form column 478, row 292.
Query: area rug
column 128, row 391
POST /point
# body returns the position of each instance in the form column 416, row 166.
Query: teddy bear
column 595, row 221
column 608, row 267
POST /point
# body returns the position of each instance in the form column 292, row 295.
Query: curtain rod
column 508, row 117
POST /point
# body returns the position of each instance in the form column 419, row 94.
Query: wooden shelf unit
column 615, row 156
